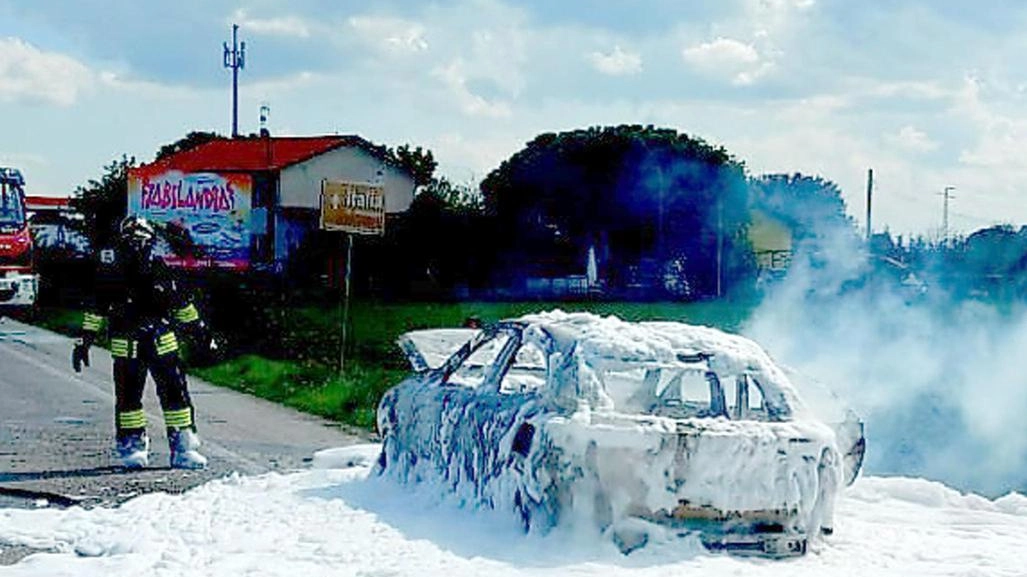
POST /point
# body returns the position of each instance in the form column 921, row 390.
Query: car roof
column 612, row 340
column 609, row 343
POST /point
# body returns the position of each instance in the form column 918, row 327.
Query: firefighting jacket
column 138, row 298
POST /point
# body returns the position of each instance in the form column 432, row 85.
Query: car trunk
column 741, row 485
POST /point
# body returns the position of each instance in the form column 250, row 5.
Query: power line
column 902, row 195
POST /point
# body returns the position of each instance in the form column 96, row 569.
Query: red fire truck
column 18, row 283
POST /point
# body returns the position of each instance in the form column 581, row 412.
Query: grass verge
column 313, row 388
column 299, row 366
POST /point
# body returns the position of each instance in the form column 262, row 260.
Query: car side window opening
column 744, row 397
column 692, row 392
column 527, row 373
column 474, row 369
column 674, row 392
column 631, row 390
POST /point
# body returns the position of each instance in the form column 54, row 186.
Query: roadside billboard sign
column 213, row 207
column 353, row 207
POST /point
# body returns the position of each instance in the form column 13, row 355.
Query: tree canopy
column 810, row 205
column 103, row 202
column 420, row 162
column 635, row 192
column 189, row 141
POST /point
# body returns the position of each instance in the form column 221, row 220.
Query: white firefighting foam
column 340, row 522
column 590, row 462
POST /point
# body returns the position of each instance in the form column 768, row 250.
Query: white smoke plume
column 941, row 384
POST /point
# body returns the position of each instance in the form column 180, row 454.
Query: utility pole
column 720, row 244
column 870, row 198
column 235, row 58
column 945, row 213
column 659, row 215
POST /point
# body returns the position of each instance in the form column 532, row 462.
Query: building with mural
column 250, row 203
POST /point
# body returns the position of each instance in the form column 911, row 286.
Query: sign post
column 352, row 208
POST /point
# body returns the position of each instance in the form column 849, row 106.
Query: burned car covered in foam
column 636, row 429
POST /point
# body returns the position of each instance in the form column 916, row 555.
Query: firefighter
column 145, row 310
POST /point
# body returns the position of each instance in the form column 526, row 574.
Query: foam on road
column 340, row 522
column 56, row 428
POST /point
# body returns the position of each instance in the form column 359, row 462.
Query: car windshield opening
column 472, row 371
column 527, row 373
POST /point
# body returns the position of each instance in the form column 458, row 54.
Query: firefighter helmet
column 137, row 233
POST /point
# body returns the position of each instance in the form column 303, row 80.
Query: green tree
column 420, row 162
column 451, row 196
column 103, row 202
column 810, row 205
column 639, row 194
column 444, row 239
column 191, row 140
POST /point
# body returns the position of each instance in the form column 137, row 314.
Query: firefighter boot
column 183, row 443
column 133, row 449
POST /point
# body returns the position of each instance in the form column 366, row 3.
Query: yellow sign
column 354, row 207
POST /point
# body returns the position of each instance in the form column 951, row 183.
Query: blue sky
column 928, row 93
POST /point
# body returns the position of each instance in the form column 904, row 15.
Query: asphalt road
column 57, row 437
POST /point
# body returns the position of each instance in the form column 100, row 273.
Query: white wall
column 300, row 184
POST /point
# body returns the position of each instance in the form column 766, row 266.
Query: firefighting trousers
column 133, row 360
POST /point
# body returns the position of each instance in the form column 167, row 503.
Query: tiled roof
column 257, row 154
column 32, row 201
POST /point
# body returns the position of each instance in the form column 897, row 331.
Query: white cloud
column 728, row 57
column 770, row 16
column 476, row 48
column 782, row 5
column 917, row 90
column 911, row 139
column 27, row 74
column 469, row 160
column 394, row 35
column 722, row 52
column 289, row 26
column 489, row 75
column 498, row 53
column 21, row 159
column 1001, row 138
column 471, row 104
column 616, row 63
column 285, row 84
column 148, row 88
column 774, row 21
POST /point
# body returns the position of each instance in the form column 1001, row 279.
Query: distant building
column 253, row 201
column 771, row 242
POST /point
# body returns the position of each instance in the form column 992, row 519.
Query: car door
column 453, row 417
